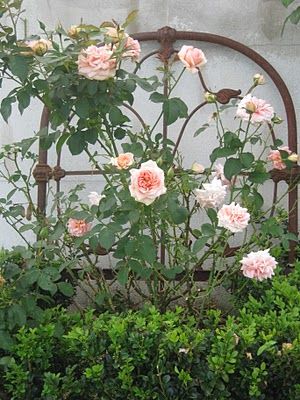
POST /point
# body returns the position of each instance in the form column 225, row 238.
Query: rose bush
column 158, row 223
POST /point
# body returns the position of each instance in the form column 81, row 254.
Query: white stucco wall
column 256, row 23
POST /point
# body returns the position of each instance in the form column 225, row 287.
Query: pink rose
column 276, row 158
column 123, row 161
column 259, row 110
column 233, row 217
column 192, row 58
column 218, row 172
column 78, row 227
column 212, row 195
column 132, row 49
column 147, row 183
column 258, row 265
column 97, row 63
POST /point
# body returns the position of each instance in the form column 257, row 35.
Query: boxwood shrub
column 151, row 355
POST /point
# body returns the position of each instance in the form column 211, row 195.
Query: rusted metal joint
column 289, row 176
column 58, row 173
column 42, row 173
column 166, row 38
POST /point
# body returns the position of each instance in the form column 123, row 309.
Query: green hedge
column 149, row 355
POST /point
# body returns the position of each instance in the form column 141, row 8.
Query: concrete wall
column 256, row 23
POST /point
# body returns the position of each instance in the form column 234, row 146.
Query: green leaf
column 107, row 238
column 119, row 133
column 173, row 109
column 200, row 130
column 247, row 159
column 6, row 107
column 208, row 230
column 66, row 289
column 76, row 143
column 232, row 167
column 286, row 3
column 268, row 345
column 130, row 18
column 295, row 16
column 19, row 66
column 58, row 231
column 82, row 107
column 122, row 275
column 24, row 100
column 258, row 177
column 220, row 153
column 147, row 249
column 16, row 315
column 177, row 213
column 157, row 97
column 116, row 116
column 199, row 244
column 6, row 341
column 46, row 284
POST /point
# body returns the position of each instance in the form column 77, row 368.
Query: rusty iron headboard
column 166, row 37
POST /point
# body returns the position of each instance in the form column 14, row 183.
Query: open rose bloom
column 97, row 63
column 147, row 183
column 258, row 109
column 212, row 195
column 276, row 158
column 233, row 217
column 258, row 265
column 192, row 58
column 123, row 161
column 78, row 227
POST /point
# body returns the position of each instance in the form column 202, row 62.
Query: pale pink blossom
column 95, row 198
column 218, row 172
column 258, row 110
column 147, row 183
column 233, row 217
column 40, row 46
column 78, row 227
column 192, row 58
column 276, row 158
column 258, row 265
column 123, row 161
column 132, row 49
column 96, row 63
column 213, row 194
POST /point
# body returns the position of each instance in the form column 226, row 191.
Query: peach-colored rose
column 132, row 49
column 258, row 265
column 276, row 158
column 97, row 63
column 147, row 183
column 212, row 195
column 40, row 46
column 192, row 58
column 233, row 217
column 123, row 161
column 78, row 227
column 258, row 110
